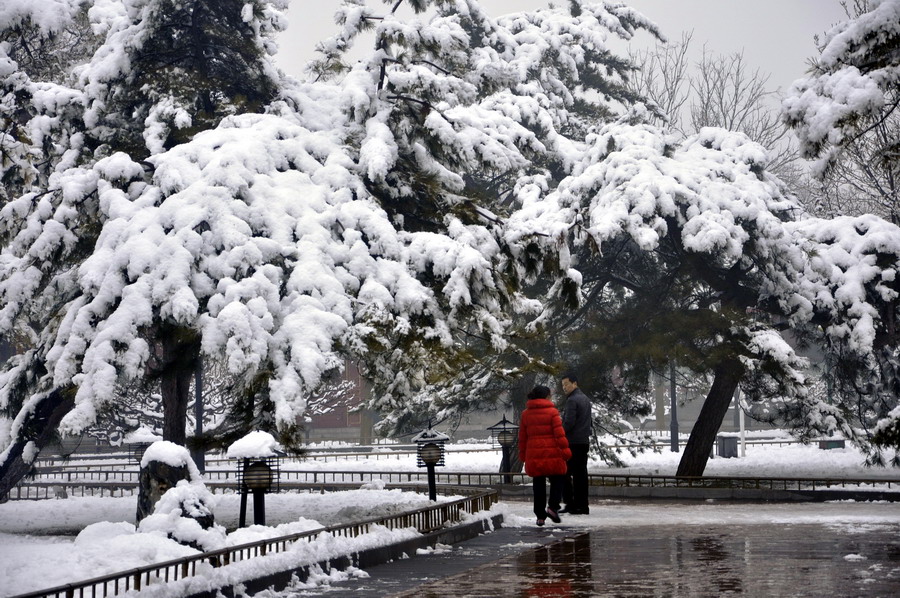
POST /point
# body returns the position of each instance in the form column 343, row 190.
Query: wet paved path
column 442, row 564
column 801, row 560
column 794, row 551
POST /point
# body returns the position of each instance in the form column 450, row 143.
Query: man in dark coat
column 576, row 420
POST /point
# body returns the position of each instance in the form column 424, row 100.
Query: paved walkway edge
column 511, row 492
column 749, row 494
column 362, row 559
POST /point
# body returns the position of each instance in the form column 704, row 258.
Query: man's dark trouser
column 575, row 492
column 540, row 494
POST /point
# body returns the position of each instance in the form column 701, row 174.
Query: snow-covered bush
column 184, row 514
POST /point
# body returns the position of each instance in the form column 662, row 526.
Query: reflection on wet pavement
column 693, row 561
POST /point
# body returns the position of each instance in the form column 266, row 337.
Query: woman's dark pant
column 540, row 494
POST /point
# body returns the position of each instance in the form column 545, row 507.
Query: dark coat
column 577, row 418
column 543, row 447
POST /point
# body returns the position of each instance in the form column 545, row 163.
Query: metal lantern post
column 259, row 475
column 504, row 433
column 430, row 452
column 199, row 455
column 673, row 426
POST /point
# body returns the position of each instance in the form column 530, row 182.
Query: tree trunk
column 703, row 436
column 178, row 368
column 39, row 427
column 175, row 397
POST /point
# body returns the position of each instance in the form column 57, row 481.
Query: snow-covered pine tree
column 164, row 72
column 198, row 220
column 715, row 244
column 264, row 241
column 846, row 113
column 171, row 68
column 700, row 230
column 460, row 107
column 40, row 114
column 40, row 130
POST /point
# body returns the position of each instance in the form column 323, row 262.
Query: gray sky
column 775, row 35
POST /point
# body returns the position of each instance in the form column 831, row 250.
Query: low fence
column 304, row 480
column 118, row 483
column 461, row 478
column 747, row 483
column 120, row 467
column 424, row 520
column 361, row 453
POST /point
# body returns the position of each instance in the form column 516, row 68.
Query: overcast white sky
column 775, row 35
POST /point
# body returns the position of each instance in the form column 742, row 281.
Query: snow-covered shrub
column 184, row 514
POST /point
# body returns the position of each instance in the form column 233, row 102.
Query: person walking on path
column 544, row 450
column 577, row 424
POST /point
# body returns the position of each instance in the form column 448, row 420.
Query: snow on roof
column 142, row 434
column 430, row 435
column 254, row 444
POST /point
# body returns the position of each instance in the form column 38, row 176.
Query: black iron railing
column 424, row 520
column 124, row 483
column 743, row 482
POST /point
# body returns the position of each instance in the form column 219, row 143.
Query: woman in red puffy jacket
column 544, row 450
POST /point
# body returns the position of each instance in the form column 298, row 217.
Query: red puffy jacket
column 543, row 447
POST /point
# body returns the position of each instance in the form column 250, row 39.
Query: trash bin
column 728, row 446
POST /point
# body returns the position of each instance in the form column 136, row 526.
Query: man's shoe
column 580, row 512
column 564, row 510
column 540, row 522
column 553, row 515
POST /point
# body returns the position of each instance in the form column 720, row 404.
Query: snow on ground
column 51, row 542
column 791, row 461
column 106, row 540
